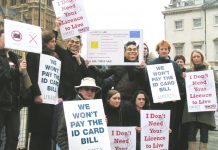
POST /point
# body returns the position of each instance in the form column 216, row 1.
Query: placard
column 22, row 36
column 163, row 82
column 201, row 91
column 155, row 129
column 115, row 47
column 73, row 18
column 49, row 77
column 122, row 138
column 86, row 125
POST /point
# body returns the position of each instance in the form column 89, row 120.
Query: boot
column 191, row 145
column 203, row 146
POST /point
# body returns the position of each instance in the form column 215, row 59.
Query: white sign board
column 72, row 15
column 122, row 138
column 86, row 125
column 201, row 91
column 22, row 36
column 163, row 83
column 216, row 119
column 49, row 77
column 155, row 129
column 107, row 47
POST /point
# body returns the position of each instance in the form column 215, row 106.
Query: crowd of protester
column 125, row 90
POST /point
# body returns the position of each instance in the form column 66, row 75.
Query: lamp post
column 39, row 21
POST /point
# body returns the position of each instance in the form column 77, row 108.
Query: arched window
column 13, row 2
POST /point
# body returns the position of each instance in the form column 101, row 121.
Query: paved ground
column 213, row 140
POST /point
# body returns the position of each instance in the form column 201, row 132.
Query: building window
column 197, row 23
column 216, row 49
column 4, row 3
column 198, row 45
column 216, row 20
column 13, row 2
column 197, row 2
column 22, row 1
column 49, row 3
column 179, row 48
column 179, row 25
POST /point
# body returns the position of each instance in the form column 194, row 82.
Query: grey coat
column 201, row 117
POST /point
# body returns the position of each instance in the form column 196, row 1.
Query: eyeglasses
column 89, row 89
column 132, row 49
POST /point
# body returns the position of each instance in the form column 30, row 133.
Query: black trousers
column 11, row 121
column 40, row 141
column 193, row 130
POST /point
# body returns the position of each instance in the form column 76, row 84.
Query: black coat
column 126, row 79
column 71, row 72
column 9, row 82
column 121, row 116
column 40, row 115
column 167, row 105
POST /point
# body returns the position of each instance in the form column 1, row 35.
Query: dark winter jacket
column 178, row 74
column 9, row 82
column 127, row 79
column 62, row 138
column 71, row 72
column 40, row 115
column 121, row 116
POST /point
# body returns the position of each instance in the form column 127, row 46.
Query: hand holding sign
column 38, row 99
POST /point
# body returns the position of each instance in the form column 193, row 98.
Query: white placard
column 122, row 138
column 163, row 83
column 49, row 77
column 155, row 129
column 73, row 18
column 216, row 119
column 86, row 125
column 106, row 47
column 22, row 36
column 201, row 91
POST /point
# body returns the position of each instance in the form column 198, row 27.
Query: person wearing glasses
column 131, row 52
column 85, row 91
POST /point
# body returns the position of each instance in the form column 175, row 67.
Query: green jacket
column 201, row 117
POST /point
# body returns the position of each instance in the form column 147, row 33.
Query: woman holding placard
column 40, row 114
column 163, row 49
column 140, row 101
column 198, row 120
column 116, row 111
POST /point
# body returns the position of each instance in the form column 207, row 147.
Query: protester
column 40, row 115
column 131, row 52
column 125, row 79
column 85, row 91
column 73, row 68
column 11, row 72
column 148, row 56
column 199, row 120
column 163, row 50
column 118, row 113
column 140, row 102
column 182, row 137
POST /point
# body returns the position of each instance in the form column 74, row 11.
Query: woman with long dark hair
column 140, row 102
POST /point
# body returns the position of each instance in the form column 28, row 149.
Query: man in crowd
column 85, row 91
column 131, row 52
column 10, row 73
column 73, row 65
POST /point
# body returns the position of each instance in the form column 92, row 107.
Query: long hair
column 47, row 36
column 204, row 62
column 146, row 98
